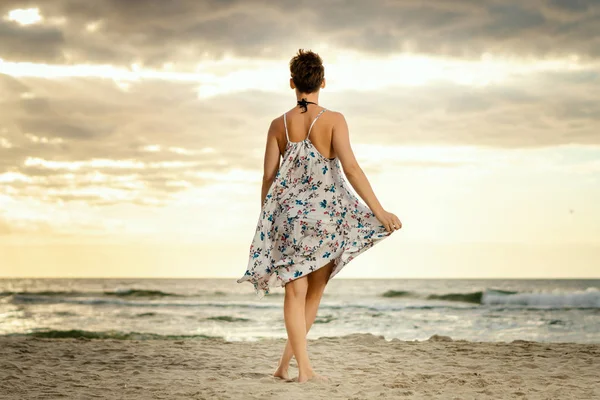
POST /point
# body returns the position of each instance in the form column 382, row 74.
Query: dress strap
column 286, row 131
column 314, row 120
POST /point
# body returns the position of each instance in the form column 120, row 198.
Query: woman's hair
column 307, row 71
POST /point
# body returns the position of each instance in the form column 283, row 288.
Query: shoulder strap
column 286, row 131
column 314, row 120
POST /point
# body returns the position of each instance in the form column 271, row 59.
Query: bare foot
column 302, row 378
column 281, row 373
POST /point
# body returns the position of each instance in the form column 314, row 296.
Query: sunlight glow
column 179, row 150
column 152, row 148
column 106, row 163
column 229, row 75
column 42, row 139
column 93, row 26
column 5, row 144
column 234, row 175
column 156, row 148
column 25, row 16
column 103, row 192
column 8, row 177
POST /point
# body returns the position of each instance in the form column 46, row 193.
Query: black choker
column 304, row 104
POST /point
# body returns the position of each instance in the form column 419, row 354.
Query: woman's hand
column 389, row 220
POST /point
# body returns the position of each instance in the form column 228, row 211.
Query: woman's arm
column 356, row 176
column 271, row 161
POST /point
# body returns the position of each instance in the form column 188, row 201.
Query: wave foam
column 589, row 298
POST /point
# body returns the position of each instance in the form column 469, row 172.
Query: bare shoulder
column 277, row 125
column 277, row 121
column 336, row 115
column 338, row 121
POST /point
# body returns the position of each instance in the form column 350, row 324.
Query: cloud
column 575, row 6
column 31, row 43
column 98, row 142
column 546, row 110
column 186, row 31
column 85, row 140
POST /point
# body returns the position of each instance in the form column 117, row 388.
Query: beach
column 359, row 366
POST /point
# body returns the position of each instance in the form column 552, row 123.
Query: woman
column 311, row 224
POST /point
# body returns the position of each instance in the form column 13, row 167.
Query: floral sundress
column 309, row 217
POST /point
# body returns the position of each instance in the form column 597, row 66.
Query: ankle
column 283, row 365
column 306, row 372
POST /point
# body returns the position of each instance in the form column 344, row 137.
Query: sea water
column 552, row 310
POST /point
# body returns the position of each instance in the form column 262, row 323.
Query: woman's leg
column 294, row 305
column 317, row 281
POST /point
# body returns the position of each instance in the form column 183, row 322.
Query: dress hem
column 351, row 252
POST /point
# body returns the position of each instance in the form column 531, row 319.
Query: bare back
column 299, row 124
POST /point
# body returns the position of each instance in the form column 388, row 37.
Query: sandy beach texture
column 360, row 366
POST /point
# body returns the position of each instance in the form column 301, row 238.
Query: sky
column 132, row 133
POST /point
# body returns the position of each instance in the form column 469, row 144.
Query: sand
column 360, row 366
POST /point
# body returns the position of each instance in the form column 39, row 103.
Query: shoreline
column 360, row 366
column 133, row 336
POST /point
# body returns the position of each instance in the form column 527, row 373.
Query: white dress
column 309, row 217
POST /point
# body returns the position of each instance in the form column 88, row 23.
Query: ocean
column 544, row 310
